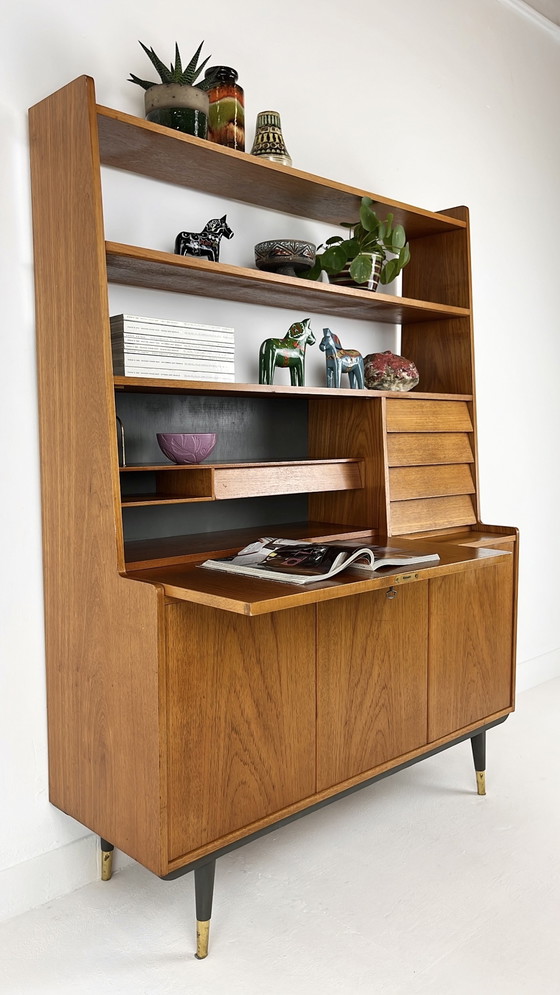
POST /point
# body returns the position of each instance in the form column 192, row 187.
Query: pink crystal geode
column 385, row 371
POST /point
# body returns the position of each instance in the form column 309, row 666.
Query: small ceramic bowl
column 285, row 255
column 183, row 447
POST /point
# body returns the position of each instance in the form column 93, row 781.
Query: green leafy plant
column 369, row 235
column 175, row 73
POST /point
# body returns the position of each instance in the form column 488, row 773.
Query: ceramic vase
column 344, row 278
column 226, row 114
column 174, row 105
column 269, row 141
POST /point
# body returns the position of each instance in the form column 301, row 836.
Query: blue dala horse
column 287, row 352
column 341, row 361
column 203, row 243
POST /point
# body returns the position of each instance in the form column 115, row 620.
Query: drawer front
column 408, row 482
column 427, row 416
column 423, row 449
column 431, row 513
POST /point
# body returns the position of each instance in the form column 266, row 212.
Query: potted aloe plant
column 179, row 101
column 375, row 252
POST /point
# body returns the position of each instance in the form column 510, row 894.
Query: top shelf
column 130, row 143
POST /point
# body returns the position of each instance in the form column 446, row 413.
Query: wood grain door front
column 471, row 647
column 241, row 719
column 372, row 681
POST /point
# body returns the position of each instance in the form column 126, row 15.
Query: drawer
column 428, row 514
column 421, row 449
column 406, row 482
column 427, row 416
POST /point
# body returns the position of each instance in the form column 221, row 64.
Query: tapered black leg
column 478, row 744
column 106, row 860
column 204, row 892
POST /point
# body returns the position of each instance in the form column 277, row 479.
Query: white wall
column 435, row 104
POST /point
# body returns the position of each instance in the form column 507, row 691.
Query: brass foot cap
column 202, row 932
column 106, row 865
column 481, row 782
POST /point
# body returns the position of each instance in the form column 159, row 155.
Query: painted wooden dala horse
column 204, row 243
column 287, row 352
column 341, row 361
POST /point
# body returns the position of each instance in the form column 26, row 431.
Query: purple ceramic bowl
column 190, row 447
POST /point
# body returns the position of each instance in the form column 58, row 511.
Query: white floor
column 414, row 885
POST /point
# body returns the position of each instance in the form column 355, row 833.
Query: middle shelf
column 134, row 266
column 181, row 483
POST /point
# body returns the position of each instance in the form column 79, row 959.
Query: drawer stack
column 430, row 462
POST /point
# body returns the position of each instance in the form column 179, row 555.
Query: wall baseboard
column 538, row 670
column 50, row 875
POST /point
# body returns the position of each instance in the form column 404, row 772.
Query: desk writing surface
column 252, row 596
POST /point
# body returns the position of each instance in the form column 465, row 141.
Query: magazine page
column 303, row 562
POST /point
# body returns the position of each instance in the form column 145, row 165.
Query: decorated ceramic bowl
column 285, row 255
column 183, row 447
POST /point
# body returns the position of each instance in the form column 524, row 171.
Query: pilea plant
column 370, row 238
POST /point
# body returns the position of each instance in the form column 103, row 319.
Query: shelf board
column 131, row 143
column 149, row 385
column 226, row 481
column 134, row 266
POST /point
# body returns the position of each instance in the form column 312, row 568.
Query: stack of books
column 172, row 350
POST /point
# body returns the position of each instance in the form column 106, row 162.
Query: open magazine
column 295, row 561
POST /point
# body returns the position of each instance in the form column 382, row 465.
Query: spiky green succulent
column 175, row 73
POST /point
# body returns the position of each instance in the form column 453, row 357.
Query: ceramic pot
column 183, row 108
column 345, row 280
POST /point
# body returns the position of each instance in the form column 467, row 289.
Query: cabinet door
column 241, row 719
column 372, row 681
column 471, row 647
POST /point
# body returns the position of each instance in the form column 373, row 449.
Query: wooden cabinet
column 189, row 710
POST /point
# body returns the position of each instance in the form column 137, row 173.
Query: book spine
column 215, row 333
column 173, row 363
column 159, row 374
column 171, row 347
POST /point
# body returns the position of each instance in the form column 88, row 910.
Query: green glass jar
column 226, row 112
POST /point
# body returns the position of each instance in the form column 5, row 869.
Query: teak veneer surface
column 128, row 142
column 252, row 596
column 372, row 685
column 139, row 267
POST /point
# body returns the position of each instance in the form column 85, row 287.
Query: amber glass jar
column 226, row 113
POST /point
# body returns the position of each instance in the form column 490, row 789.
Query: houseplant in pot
column 179, row 101
column 375, row 252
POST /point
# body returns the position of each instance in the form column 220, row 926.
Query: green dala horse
column 287, row 352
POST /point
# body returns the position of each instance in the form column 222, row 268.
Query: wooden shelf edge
column 150, row 384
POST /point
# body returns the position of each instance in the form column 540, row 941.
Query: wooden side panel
column 431, row 513
column 418, row 448
column 372, row 681
column 428, row 416
column 348, row 429
column 470, row 661
column 241, row 701
column 101, row 630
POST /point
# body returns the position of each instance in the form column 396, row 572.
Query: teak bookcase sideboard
column 184, row 718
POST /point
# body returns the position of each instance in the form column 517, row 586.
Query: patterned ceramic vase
column 174, row 105
column 385, row 371
column 226, row 113
column 269, row 141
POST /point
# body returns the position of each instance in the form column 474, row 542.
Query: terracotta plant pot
column 178, row 106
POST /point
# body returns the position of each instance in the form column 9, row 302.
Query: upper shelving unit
column 127, row 142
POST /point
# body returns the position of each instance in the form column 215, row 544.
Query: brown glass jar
column 226, row 113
